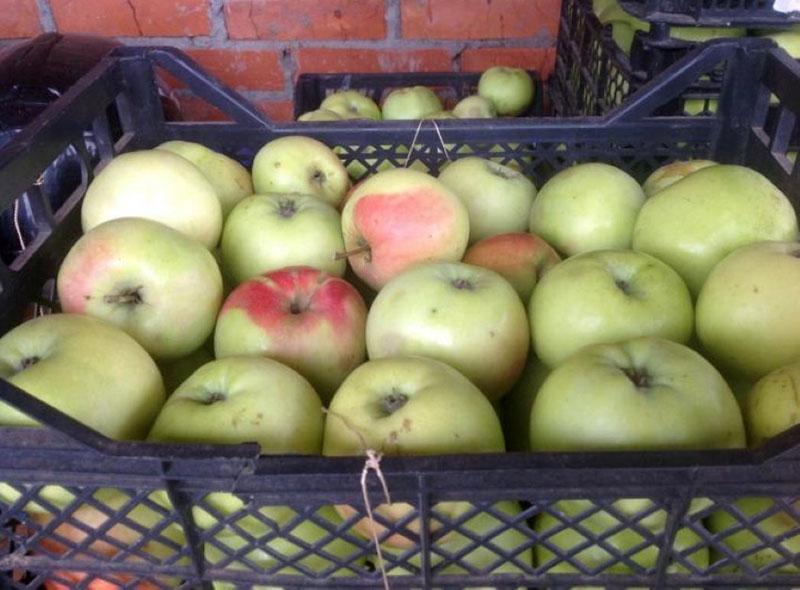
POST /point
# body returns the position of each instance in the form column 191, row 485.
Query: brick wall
column 259, row 46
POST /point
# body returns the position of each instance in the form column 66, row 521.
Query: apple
column 408, row 406
column 319, row 115
column 298, row 164
column 467, row 316
column 176, row 371
column 669, row 174
column 230, row 179
column 158, row 285
column 398, row 218
column 692, row 224
column 623, row 25
column 301, row 316
column 272, row 231
column 773, row 404
column 498, row 198
column 587, row 207
column 416, row 102
column 607, row 296
column 475, row 107
column 747, row 314
column 703, row 34
column 157, row 185
column 520, row 258
column 442, row 115
column 509, row 89
column 645, row 394
column 351, row 104
column 515, row 408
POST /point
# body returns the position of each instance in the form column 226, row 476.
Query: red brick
column 305, row 19
column 540, row 59
column 196, row 109
column 133, row 18
column 478, row 19
column 373, row 60
column 277, row 110
column 242, row 69
column 20, row 19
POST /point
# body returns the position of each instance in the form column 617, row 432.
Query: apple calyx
column 318, row 177
column 126, row 296
column 213, row 397
column 501, row 171
column 393, row 401
column 287, row 208
column 297, row 306
column 623, row 286
column 463, row 284
column 27, row 362
column 639, row 377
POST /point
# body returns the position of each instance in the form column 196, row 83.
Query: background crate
column 136, row 513
column 311, row 89
column 716, row 13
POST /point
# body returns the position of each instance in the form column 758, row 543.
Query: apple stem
column 348, row 253
column 28, row 361
column 126, row 297
column 639, row 377
column 393, row 402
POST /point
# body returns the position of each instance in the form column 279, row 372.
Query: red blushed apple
column 399, row 218
column 305, row 318
column 520, row 258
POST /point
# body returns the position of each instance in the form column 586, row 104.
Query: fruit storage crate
column 311, row 89
column 78, row 510
column 715, row 13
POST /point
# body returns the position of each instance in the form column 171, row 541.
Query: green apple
column 176, row 371
column 301, row 316
column 694, row 223
column 703, row 34
column 474, row 107
column 319, row 115
column 773, row 404
column 747, row 313
column 298, row 164
column 779, row 529
column 623, row 25
column 607, row 296
column 645, row 393
column 160, row 286
column 272, row 231
column 229, row 178
column 409, row 406
column 415, row 102
column 515, row 408
column 498, row 198
column 467, row 316
column 442, row 115
column 398, row 218
column 351, row 104
column 587, row 207
column 520, row 258
column 509, row 89
column 158, row 185
column 669, row 174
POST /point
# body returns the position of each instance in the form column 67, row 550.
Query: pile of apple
column 594, row 314
column 502, row 91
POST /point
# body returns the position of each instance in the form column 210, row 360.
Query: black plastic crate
column 144, row 499
column 311, row 89
column 717, row 13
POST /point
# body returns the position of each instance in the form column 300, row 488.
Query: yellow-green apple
column 746, row 313
column 607, row 296
column 267, row 232
column 694, row 223
column 319, row 115
column 160, row 286
column 623, row 25
column 409, row 406
column 176, row 371
column 86, row 368
column 310, row 320
column 351, row 104
column 510, row 89
column 229, row 178
column 640, row 394
column 587, row 207
column 498, row 198
column 467, row 316
column 754, row 542
column 671, row 173
column 520, row 258
column 515, row 408
column 773, row 404
column 298, row 164
column 644, row 393
column 414, row 102
column 474, row 107
column 702, row 34
column 442, row 115
column 157, row 185
column 398, row 218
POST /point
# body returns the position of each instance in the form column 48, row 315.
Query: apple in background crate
column 509, row 89
column 415, row 102
column 474, row 107
column 319, row 115
column 351, row 104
